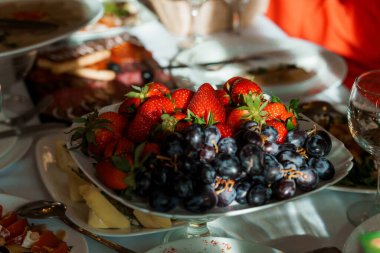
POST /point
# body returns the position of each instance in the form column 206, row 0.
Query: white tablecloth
column 299, row 226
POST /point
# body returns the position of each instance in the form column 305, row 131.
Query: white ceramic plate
column 73, row 238
column 144, row 15
column 329, row 69
column 339, row 156
column 12, row 148
column 352, row 243
column 212, row 245
column 70, row 16
column 56, row 182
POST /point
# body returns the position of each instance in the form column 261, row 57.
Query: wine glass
column 364, row 124
column 193, row 37
column 237, row 7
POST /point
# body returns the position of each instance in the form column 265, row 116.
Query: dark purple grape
column 173, row 144
column 242, row 189
column 202, row 202
column 160, row 176
column 308, row 180
column 323, row 166
column 226, row 197
column 272, row 169
column 296, row 137
column 143, row 181
column 212, row 135
column 189, row 165
column 183, row 187
column 207, row 174
column 287, row 146
column 194, row 136
column 270, row 133
column 271, row 147
column 162, row 202
column 227, row 166
column 290, row 166
column 284, row 188
column 252, row 137
column 251, row 158
column 291, row 156
column 227, row 145
column 207, row 154
column 318, row 144
column 258, row 195
column 250, row 126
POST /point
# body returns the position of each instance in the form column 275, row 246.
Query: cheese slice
column 64, row 160
column 94, row 221
column 103, row 209
column 75, row 182
column 152, row 221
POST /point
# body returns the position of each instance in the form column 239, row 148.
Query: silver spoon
column 53, row 209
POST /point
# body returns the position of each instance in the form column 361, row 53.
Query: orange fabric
column 350, row 28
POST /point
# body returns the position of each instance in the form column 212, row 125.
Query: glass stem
column 377, row 167
column 197, row 229
column 194, row 11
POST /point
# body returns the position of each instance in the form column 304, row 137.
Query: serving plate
column 339, row 156
column 68, row 18
column 56, row 183
column 142, row 16
column 352, row 244
column 327, row 70
column 212, row 245
column 72, row 238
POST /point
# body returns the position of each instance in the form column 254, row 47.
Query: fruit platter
column 205, row 153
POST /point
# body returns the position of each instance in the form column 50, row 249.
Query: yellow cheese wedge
column 103, row 208
column 95, row 222
column 64, row 160
column 75, row 182
column 152, row 221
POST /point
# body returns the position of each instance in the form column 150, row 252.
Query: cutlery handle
column 95, row 237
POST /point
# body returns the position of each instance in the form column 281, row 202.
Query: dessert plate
column 56, row 183
column 68, row 18
column 339, row 156
column 325, row 69
column 12, row 148
column 212, row 245
column 73, row 238
column 352, row 243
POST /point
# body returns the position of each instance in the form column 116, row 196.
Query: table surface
column 303, row 225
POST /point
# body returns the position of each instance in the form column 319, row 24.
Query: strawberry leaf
column 121, row 163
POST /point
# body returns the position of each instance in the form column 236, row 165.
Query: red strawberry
column 241, row 88
column 281, row 129
column 223, row 97
column 118, row 147
column 148, row 115
column 149, row 148
column 224, row 129
column 182, row 97
column 97, row 145
column 206, row 105
column 236, row 118
column 230, row 82
column 284, row 117
column 110, row 175
column 117, row 122
column 129, row 106
column 156, row 89
column 275, row 110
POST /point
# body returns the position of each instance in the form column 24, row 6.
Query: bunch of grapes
column 199, row 170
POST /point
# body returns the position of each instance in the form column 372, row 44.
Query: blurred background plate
column 119, row 16
column 309, row 69
column 68, row 16
column 212, row 245
column 352, row 244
